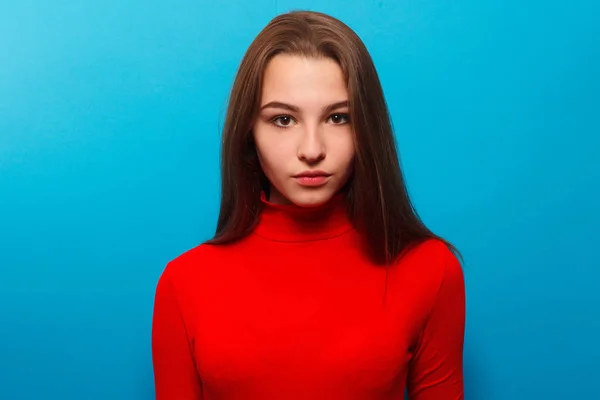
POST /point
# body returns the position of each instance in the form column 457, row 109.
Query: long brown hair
column 378, row 202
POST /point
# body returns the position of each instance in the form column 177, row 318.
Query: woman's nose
column 311, row 148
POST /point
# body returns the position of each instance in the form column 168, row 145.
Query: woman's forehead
column 303, row 82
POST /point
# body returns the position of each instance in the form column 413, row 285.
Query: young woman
column 321, row 281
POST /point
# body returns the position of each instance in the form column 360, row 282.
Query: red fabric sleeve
column 436, row 370
column 175, row 375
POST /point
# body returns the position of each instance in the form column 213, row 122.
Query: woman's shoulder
column 430, row 251
column 431, row 262
column 195, row 261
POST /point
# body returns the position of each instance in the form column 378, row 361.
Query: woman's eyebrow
column 278, row 104
column 335, row 106
column 285, row 106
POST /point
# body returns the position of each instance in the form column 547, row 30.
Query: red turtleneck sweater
column 296, row 310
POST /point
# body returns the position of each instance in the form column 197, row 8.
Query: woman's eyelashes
column 286, row 121
column 339, row 118
column 282, row 121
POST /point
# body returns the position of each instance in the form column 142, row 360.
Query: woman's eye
column 283, row 121
column 338, row 119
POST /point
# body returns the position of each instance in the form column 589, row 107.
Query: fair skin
column 303, row 128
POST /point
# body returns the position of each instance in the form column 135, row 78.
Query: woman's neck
column 291, row 223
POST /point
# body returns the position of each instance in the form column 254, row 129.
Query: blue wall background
column 109, row 138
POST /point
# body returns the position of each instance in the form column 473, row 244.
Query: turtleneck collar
column 292, row 223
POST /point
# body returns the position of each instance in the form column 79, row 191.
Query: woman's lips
column 312, row 178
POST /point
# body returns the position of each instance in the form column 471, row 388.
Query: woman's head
column 307, row 98
column 302, row 134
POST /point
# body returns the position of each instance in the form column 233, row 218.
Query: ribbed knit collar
column 292, row 223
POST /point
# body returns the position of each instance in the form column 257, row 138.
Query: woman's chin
column 310, row 198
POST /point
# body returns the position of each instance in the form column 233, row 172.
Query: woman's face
column 303, row 135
